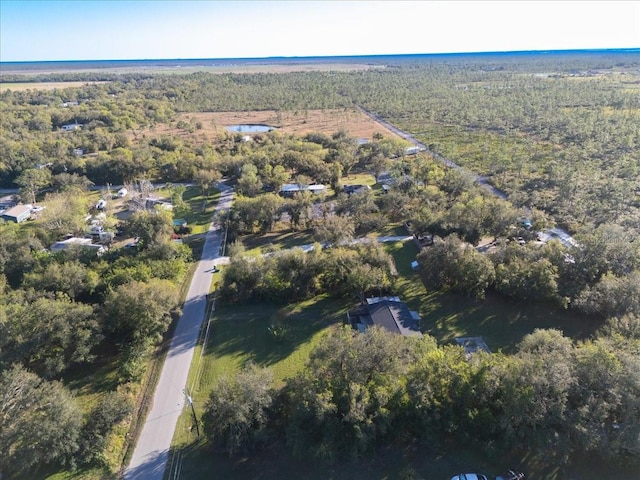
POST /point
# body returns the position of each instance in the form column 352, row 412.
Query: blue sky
column 33, row 30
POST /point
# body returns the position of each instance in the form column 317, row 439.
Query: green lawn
column 257, row 243
column 201, row 208
column 239, row 335
column 501, row 322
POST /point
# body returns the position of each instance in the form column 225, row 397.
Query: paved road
column 152, row 449
column 449, row 163
column 562, row 235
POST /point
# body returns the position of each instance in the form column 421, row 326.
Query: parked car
column 470, row 476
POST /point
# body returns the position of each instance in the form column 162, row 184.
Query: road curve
column 152, row 449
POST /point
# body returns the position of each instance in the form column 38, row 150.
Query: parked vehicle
column 470, row 476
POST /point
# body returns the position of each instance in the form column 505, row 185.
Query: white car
column 470, row 476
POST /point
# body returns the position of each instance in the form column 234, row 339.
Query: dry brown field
column 188, row 69
column 354, row 122
column 23, row 86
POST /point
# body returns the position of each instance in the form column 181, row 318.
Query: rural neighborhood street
column 152, row 448
column 565, row 238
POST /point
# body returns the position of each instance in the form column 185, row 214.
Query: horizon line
column 295, row 57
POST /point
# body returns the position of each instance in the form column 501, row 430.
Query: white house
column 288, row 189
column 86, row 243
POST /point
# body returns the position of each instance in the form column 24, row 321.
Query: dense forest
column 560, row 136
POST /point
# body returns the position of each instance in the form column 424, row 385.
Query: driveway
column 152, row 448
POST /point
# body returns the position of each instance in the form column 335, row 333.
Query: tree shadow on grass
column 245, row 330
column 501, row 322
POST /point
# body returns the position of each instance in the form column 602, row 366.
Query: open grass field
column 239, row 334
column 354, row 122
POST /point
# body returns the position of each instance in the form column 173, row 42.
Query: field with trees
column 558, row 134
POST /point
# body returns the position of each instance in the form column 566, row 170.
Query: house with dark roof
column 386, row 312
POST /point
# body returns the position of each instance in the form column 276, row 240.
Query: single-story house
column 289, row 189
column 76, row 242
column 17, row 214
column 389, row 313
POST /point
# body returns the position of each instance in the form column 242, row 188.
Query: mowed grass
column 239, row 335
column 501, row 322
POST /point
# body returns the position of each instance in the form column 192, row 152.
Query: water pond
column 249, row 128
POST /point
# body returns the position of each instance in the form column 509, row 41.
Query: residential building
column 17, row 214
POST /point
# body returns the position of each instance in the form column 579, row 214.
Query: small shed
column 17, row 214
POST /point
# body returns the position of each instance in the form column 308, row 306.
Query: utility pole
column 193, row 410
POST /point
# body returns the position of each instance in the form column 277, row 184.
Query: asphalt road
column 449, row 163
column 152, row 449
column 562, row 235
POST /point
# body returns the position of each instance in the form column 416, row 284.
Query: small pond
column 249, row 128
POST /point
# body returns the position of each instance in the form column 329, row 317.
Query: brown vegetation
column 354, row 122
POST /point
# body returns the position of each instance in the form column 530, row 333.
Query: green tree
column 439, row 388
column 301, row 209
column 349, row 393
column 536, row 408
column 66, row 212
column 454, row 265
column 47, row 334
column 249, row 184
column 334, row 229
column 237, row 413
column 206, row 179
column 138, row 313
column 153, row 229
column 112, row 409
column 39, row 423
column 32, row 181
column 70, row 277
